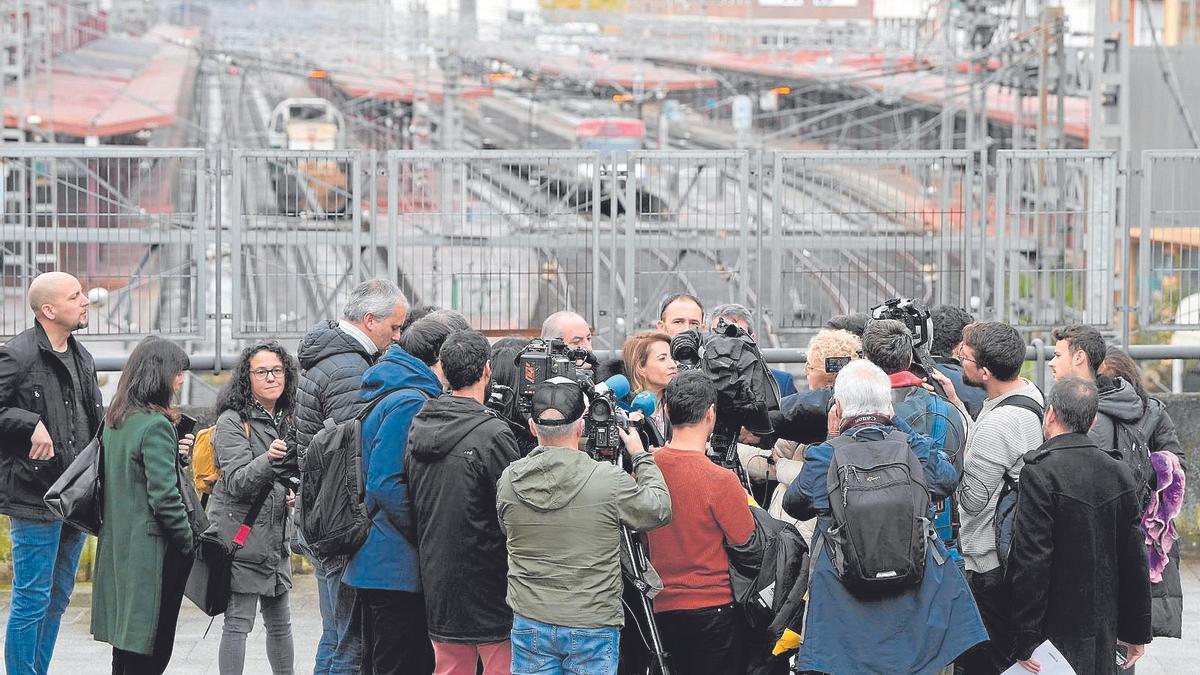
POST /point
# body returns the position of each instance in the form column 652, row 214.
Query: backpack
column 332, row 514
column 1006, row 503
column 205, row 471
column 933, row 416
column 764, row 571
column 1131, row 442
column 880, row 507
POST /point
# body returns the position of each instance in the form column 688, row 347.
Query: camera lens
column 600, row 412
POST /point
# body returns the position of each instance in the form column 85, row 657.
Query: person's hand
column 41, row 446
column 748, row 438
column 1031, row 665
column 291, row 498
column 833, row 422
column 185, row 445
column 632, row 441
column 947, row 386
column 1133, row 653
column 278, row 450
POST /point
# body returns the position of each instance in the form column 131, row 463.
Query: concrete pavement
column 196, row 653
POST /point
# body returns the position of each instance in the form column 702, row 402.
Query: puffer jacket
column 263, row 565
column 457, row 450
column 562, row 511
column 332, row 364
column 34, row 385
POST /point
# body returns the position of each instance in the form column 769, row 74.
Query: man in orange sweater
column 701, row 627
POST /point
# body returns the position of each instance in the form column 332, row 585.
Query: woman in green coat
column 146, row 541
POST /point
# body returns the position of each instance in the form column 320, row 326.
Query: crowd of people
column 955, row 515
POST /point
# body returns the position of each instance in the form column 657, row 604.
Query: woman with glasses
column 146, row 539
column 254, row 413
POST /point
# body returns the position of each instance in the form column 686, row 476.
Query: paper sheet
column 1051, row 660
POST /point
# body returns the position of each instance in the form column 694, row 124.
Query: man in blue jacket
column 385, row 569
column 914, row 630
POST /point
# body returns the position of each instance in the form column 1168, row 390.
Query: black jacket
column 457, row 450
column 971, row 396
column 1077, row 571
column 802, row 417
column 331, row 367
column 36, row 387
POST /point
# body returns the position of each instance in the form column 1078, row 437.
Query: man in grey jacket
column 561, row 512
column 1009, row 425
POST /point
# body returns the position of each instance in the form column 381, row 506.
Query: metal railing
column 211, row 246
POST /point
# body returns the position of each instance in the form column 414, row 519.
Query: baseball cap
column 558, row 394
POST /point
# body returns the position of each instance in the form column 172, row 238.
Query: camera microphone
column 645, row 402
column 617, row 384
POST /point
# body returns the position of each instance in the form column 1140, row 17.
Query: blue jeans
column 45, row 560
column 340, row 649
column 541, row 649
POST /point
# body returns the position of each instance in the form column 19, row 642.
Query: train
column 311, row 185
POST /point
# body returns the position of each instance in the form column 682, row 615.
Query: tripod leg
column 639, row 562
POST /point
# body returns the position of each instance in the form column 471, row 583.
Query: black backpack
column 880, row 507
column 1006, row 503
column 332, row 514
column 1131, row 442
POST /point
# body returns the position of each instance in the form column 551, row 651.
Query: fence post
column 1039, row 363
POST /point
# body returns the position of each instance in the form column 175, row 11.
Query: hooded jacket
column 562, row 511
column 1077, row 568
column 1118, row 404
column 387, row 560
column 457, row 450
column 332, row 364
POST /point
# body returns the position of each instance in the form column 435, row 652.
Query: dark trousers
column 989, row 658
column 399, row 637
column 176, row 567
column 704, row 641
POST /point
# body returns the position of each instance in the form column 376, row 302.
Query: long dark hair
column 147, row 382
column 1118, row 363
column 237, row 394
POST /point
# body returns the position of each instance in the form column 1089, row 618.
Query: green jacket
column 144, row 513
column 561, row 511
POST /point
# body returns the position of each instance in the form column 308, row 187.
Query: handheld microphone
column 617, row 384
column 645, row 402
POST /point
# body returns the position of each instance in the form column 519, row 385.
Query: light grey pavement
column 195, row 654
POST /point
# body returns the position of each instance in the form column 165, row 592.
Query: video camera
column 543, row 359
column 746, row 389
column 914, row 315
column 604, row 415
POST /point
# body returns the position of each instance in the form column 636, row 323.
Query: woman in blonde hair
column 649, row 366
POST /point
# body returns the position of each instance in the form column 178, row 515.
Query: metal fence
column 256, row 244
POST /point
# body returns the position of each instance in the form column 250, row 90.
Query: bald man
column 570, row 328
column 50, row 408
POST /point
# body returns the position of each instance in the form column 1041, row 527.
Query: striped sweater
column 995, row 443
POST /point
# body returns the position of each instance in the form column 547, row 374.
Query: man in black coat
column 50, row 409
column 333, row 357
column 457, row 449
column 1077, row 571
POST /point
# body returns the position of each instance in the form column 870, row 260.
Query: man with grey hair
column 562, row 511
column 1077, row 571
column 333, row 357
column 740, row 315
column 568, row 327
column 927, row 624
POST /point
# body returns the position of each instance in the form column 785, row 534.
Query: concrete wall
column 1184, row 409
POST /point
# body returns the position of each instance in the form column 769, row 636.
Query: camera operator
column 456, row 451
column 569, row 327
column 701, row 627
column 801, row 418
column 649, row 365
column 680, row 312
column 562, row 511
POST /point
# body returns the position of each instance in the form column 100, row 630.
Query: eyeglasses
column 262, row 373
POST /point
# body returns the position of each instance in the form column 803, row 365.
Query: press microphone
column 645, row 402
column 617, row 384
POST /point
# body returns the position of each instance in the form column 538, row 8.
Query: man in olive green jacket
column 562, row 512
